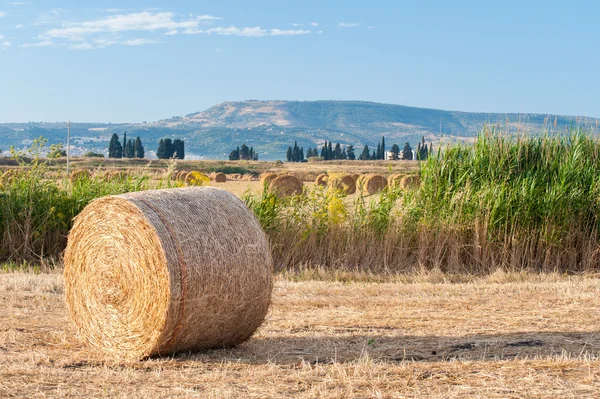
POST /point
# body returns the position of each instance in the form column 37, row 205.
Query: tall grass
column 527, row 203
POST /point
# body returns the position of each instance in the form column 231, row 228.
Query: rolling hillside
column 270, row 126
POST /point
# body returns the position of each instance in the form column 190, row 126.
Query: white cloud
column 2, row 14
column 320, row 32
column 19, row 26
column 81, row 46
column 172, row 32
column 16, row 3
column 314, row 24
column 256, row 31
column 206, row 18
column 45, row 43
column 139, row 42
column 143, row 21
column 349, row 24
column 289, row 32
column 6, row 43
column 297, row 25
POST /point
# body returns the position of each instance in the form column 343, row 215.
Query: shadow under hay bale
column 286, row 185
column 166, row 271
column 372, row 184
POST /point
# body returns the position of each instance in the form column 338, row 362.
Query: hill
column 270, row 126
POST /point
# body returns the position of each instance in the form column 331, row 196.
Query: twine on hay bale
column 166, row 271
column 266, row 178
column 322, row 179
column 220, row 177
column 410, row 181
column 286, row 185
column 373, row 183
column 344, row 183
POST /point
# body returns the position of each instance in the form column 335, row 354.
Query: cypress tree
column 330, row 151
column 288, row 154
column 138, row 148
column 382, row 147
column 344, row 155
column 160, row 151
column 324, row 151
column 395, row 152
column 365, row 155
column 301, row 155
column 407, row 152
column 350, row 153
column 378, row 153
column 337, row 153
column 112, row 146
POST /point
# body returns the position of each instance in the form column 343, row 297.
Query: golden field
column 420, row 336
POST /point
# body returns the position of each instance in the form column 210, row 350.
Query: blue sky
column 129, row 61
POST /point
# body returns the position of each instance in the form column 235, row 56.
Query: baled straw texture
column 165, row 271
column 373, row 184
column 322, row 179
column 286, row 185
column 220, row 178
column 395, row 180
column 410, row 181
column 343, row 183
column 266, row 178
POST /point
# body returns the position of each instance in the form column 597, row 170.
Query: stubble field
column 501, row 336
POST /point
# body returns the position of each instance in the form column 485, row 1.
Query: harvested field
column 495, row 337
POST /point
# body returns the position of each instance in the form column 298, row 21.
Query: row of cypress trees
column 168, row 149
column 131, row 149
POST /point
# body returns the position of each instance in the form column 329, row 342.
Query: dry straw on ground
column 410, row 181
column 165, row 271
column 322, row 179
column 343, row 182
column 220, row 177
column 373, row 184
column 286, row 185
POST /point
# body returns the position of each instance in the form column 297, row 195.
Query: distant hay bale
column 410, row 182
column 220, row 177
column 373, row 183
column 343, row 183
column 286, row 185
column 355, row 176
column 267, row 178
column 181, row 175
column 195, row 178
column 79, row 175
column 159, row 272
column 395, row 180
column 322, row 179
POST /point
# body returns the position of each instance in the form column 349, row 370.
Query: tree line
column 170, row 149
column 131, row 149
column 243, row 153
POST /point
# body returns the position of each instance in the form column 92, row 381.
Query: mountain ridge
column 271, row 126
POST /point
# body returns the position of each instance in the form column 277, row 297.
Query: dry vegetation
column 502, row 336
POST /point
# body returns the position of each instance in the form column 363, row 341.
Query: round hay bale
column 267, row 178
column 286, row 185
column 78, row 175
column 322, row 179
column 181, row 175
column 395, row 179
column 220, row 177
column 373, row 183
column 166, row 271
column 410, row 182
column 343, row 183
column 195, row 178
column 355, row 176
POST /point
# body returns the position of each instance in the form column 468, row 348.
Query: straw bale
column 166, row 271
column 395, row 180
column 373, row 183
column 344, row 183
column 322, row 179
column 196, row 178
column 266, row 178
column 286, row 185
column 220, row 177
column 410, row 181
